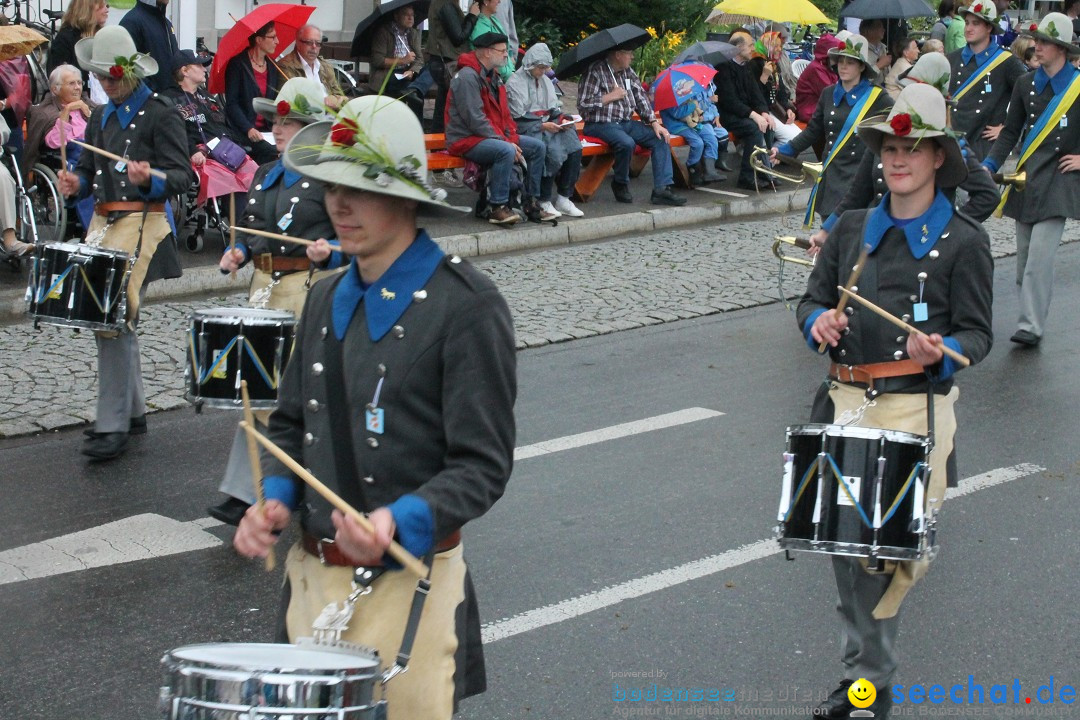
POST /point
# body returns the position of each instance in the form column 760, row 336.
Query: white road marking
column 572, row 608
column 723, row 192
column 659, row 422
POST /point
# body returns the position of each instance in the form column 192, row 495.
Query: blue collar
column 838, row 94
column 1059, row 82
column 922, row 233
column 279, row 171
column 387, row 299
column 980, row 58
column 129, row 108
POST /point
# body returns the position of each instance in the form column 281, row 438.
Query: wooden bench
column 597, row 161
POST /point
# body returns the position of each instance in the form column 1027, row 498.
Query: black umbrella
column 361, row 42
column 885, row 9
column 577, row 59
column 712, row 52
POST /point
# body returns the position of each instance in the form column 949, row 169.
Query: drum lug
column 788, row 556
column 198, row 407
column 165, row 700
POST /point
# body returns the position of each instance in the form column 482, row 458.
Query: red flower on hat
column 1034, row 27
column 344, row 132
column 978, row 8
column 116, row 71
column 283, row 108
column 901, row 124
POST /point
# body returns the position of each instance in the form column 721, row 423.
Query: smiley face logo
column 862, row 693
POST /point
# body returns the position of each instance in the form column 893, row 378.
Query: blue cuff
column 284, row 489
column 785, row 149
column 989, row 164
column 415, row 525
column 157, row 189
column 809, row 324
column 336, row 260
column 827, row 226
column 948, row 365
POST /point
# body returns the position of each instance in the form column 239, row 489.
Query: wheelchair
column 40, row 213
column 209, row 217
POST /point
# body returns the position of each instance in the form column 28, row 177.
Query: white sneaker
column 549, row 209
column 448, row 178
column 566, row 207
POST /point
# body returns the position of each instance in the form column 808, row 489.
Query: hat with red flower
column 299, row 99
column 919, row 113
column 1056, row 28
column 986, row 11
column 111, row 52
column 857, row 47
column 374, row 143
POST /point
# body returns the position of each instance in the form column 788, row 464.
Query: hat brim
column 302, row 155
column 836, row 54
column 144, row 66
column 268, row 109
column 1067, row 47
column 995, row 27
column 952, row 172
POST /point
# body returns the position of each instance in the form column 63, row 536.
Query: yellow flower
column 652, row 32
column 593, row 26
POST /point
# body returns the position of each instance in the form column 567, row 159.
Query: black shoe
column 1026, row 337
column 622, row 192
column 836, row 706
column 137, row 427
column 105, row 446
column 230, row 512
column 757, row 186
column 722, row 165
column 696, row 176
column 664, row 196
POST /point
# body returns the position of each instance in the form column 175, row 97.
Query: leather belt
column 105, row 208
column 267, row 263
column 867, row 374
column 329, row 553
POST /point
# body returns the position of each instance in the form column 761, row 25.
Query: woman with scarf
column 763, row 67
column 538, row 113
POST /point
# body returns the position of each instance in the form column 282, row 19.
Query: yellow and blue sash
column 1042, row 128
column 854, row 118
column 987, row 68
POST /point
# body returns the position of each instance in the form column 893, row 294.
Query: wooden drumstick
column 117, row 158
column 403, row 556
column 855, row 273
column 901, row 324
column 282, row 238
column 232, row 231
column 256, row 469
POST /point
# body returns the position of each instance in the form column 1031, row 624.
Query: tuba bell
column 808, row 171
column 1017, row 180
column 797, row 242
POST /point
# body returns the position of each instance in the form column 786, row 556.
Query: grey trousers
column 1035, row 247
column 120, row 385
column 866, row 644
column 237, row 481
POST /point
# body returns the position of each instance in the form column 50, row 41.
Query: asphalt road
column 586, row 525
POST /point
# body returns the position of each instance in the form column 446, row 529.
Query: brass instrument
column 1017, row 180
column 803, row 243
column 809, row 171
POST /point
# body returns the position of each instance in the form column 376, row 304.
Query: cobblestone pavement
column 555, row 294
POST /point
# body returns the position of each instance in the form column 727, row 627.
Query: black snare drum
column 75, row 285
column 855, row 491
column 228, row 345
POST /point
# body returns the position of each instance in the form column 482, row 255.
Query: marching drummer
column 131, row 214
column 931, row 267
column 399, row 396
column 279, row 201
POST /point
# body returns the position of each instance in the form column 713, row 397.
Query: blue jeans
column 701, row 140
column 622, row 137
column 497, row 158
column 421, row 84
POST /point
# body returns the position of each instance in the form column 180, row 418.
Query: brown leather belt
column 329, row 553
column 867, row 374
column 268, row 263
column 105, row 208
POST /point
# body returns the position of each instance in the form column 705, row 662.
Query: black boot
column 836, row 706
column 696, row 176
column 230, row 512
column 721, row 162
column 710, row 176
column 105, row 446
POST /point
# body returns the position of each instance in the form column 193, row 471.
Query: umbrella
column 361, row 42
column 18, row 40
column 713, row 52
column 888, row 9
column 679, row 83
column 287, row 20
column 577, row 59
column 796, row 11
column 719, row 17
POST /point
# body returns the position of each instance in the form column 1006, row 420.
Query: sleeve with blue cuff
column 947, row 366
column 281, row 488
column 415, row 526
column 157, row 189
column 809, row 324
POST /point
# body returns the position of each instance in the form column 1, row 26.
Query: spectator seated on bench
column 479, row 127
column 538, row 113
column 609, row 95
column 396, row 50
column 695, row 121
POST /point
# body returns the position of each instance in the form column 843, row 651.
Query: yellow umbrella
column 18, row 40
column 802, row 12
column 719, row 17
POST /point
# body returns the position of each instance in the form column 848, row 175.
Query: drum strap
column 423, row 587
column 930, row 415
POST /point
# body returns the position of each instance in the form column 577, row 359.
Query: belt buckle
column 319, row 547
column 850, row 372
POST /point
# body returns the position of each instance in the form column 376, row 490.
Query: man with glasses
column 397, row 60
column 304, row 61
column 153, row 34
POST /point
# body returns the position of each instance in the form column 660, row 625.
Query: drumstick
column 256, row 469
column 282, row 238
column 117, row 158
column 403, row 556
column 901, row 324
column 232, row 229
column 855, row 273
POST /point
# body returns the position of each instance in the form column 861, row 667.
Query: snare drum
column 856, row 491
column 77, row 285
column 237, row 681
column 228, row 345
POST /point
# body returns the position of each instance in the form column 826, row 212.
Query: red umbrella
column 287, row 20
column 678, row 83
